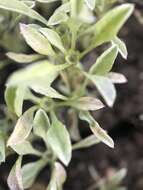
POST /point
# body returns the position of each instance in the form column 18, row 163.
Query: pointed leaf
column 59, row 140
column 108, row 26
column 105, row 88
column 58, row 16
column 121, row 47
column 30, row 172
column 25, row 148
column 117, row 78
column 23, row 58
column 15, row 178
column 88, row 103
column 41, row 124
column 37, row 76
column 96, row 129
column 58, row 177
column 53, row 38
column 48, row 91
column 21, row 8
column 87, row 142
column 22, row 129
column 36, row 40
column 19, row 99
column 10, row 93
column 105, row 62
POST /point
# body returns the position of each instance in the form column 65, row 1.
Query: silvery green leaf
column 53, row 37
column 30, row 172
column 58, row 177
column 10, row 97
column 86, row 15
column 121, row 47
column 25, row 148
column 37, row 76
column 64, row 8
column 105, row 87
column 59, row 140
column 110, row 24
column 36, row 40
column 22, row 129
column 99, row 133
column 117, row 78
column 88, row 103
column 15, row 178
column 23, row 58
column 2, row 148
column 57, row 18
column 60, row 14
column 85, row 143
column 21, row 8
column 48, row 91
column 105, row 62
column 30, row 4
column 41, row 124
column 19, row 99
column 91, row 4
column 76, row 7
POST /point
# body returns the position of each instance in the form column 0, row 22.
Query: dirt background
column 124, row 123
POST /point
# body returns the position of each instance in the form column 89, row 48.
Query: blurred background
column 124, row 121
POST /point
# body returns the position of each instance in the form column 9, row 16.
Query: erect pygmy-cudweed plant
column 73, row 30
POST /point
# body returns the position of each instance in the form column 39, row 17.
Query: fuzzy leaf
column 121, row 47
column 30, row 172
column 59, row 140
column 99, row 133
column 10, row 97
column 21, row 8
column 87, row 142
column 108, row 26
column 58, row 177
column 36, row 40
column 19, row 98
column 38, row 76
column 25, row 148
column 105, row 88
column 15, row 178
column 88, row 103
column 41, row 124
column 22, row 129
column 117, row 78
column 105, row 62
column 23, row 58
column 53, row 38
column 57, row 17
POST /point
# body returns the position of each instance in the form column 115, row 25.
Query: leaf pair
column 107, row 28
column 55, row 135
column 99, row 74
column 23, row 178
